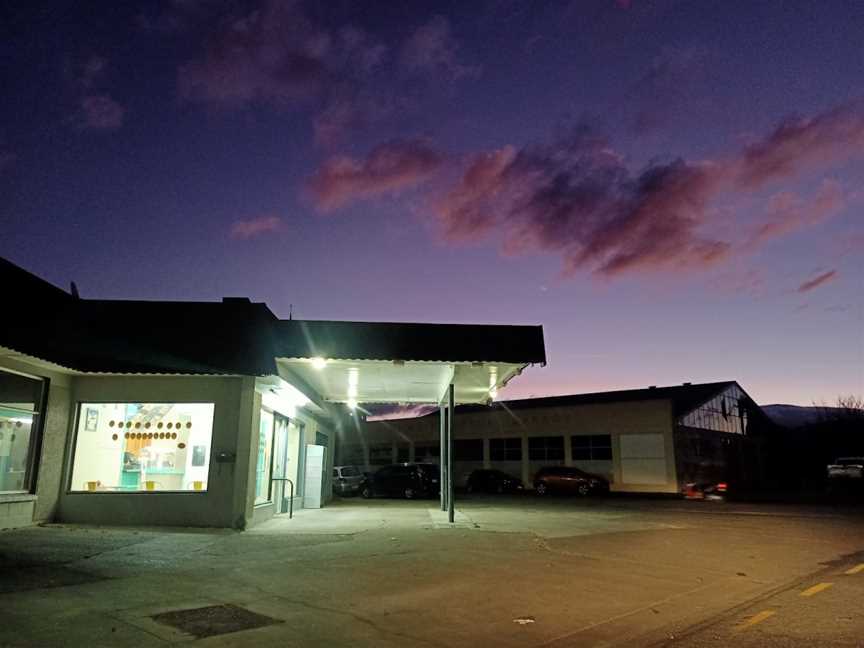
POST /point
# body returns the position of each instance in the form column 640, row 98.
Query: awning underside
column 381, row 381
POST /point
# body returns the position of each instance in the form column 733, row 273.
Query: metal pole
column 441, row 456
column 452, row 413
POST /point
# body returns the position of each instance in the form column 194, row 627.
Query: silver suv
column 346, row 480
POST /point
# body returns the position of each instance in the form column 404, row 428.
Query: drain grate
column 214, row 620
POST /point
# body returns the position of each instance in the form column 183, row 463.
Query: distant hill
column 793, row 416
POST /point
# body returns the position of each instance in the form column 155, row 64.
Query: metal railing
column 290, row 499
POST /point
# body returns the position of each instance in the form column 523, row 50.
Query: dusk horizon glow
column 672, row 189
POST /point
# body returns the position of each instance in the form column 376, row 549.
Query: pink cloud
column 789, row 213
column 804, row 143
column 389, row 168
column 575, row 197
column 246, row 229
column 432, row 47
column 817, row 281
column 101, row 112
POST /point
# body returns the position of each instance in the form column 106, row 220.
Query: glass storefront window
column 265, row 456
column 142, row 447
column 20, row 403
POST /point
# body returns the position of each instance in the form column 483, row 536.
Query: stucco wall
column 614, row 419
column 227, row 483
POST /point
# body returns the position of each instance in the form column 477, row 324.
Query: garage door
column 643, row 458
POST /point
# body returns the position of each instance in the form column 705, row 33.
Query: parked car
column 568, row 480
column 706, row 491
column 492, row 481
column 847, row 468
column 347, row 480
column 403, row 480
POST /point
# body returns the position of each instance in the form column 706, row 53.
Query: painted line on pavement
column 756, row 618
column 821, row 587
column 855, row 570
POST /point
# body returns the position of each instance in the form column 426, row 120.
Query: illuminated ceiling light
column 353, row 380
column 352, row 403
column 319, row 363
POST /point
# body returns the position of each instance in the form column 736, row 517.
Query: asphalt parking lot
column 510, row 572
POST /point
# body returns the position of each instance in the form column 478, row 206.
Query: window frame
column 34, row 449
column 504, row 441
column 591, row 447
column 74, row 446
column 546, row 448
column 273, row 413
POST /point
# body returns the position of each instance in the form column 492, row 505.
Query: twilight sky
column 672, row 188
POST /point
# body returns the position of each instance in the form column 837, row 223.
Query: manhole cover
column 214, row 620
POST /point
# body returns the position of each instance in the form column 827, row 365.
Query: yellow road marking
column 855, row 570
column 756, row 618
column 810, row 591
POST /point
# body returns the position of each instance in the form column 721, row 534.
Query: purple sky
column 673, row 189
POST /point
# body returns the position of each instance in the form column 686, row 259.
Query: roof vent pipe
column 652, row 386
column 687, row 383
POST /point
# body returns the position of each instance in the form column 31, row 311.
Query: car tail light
column 722, row 486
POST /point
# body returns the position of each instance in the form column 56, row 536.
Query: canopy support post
column 451, row 406
column 442, row 456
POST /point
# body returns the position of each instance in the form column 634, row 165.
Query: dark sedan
column 567, row 480
column 403, row 480
column 492, row 481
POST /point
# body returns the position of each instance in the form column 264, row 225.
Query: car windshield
column 850, row 461
column 349, row 471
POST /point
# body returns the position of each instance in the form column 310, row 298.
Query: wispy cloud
column 788, row 212
column 276, row 54
column 254, row 227
column 434, row 48
column 389, row 168
column 800, row 144
column 101, row 112
column 97, row 108
column 818, row 280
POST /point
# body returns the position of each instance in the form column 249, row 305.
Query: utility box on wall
column 313, row 480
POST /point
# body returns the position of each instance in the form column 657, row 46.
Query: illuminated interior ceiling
column 385, row 381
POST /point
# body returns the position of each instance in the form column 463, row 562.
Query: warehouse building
column 652, row 440
column 206, row 413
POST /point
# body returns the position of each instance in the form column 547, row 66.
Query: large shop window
column 21, row 402
column 591, row 447
column 142, row 447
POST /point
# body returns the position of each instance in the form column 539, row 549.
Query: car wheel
column 541, row 488
column 409, row 493
column 583, row 489
column 366, row 492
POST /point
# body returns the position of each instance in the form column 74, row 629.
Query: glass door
column 281, row 488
